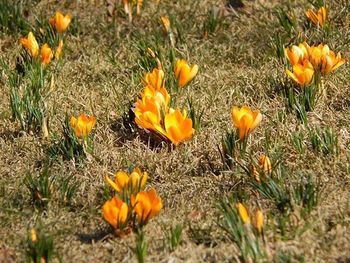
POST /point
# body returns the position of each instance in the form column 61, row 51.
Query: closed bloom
column 166, row 23
column 259, row 220
column 245, row 120
column 243, row 213
column 178, row 127
column 146, row 205
column 82, row 125
column 254, row 172
column 59, row 49
column 33, row 235
column 136, row 181
column 297, row 54
column 317, row 18
column 60, row 22
column 184, row 73
column 31, row 44
column 115, row 212
column 302, row 73
column 265, row 164
column 46, row 54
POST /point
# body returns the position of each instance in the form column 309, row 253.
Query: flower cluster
column 308, row 60
column 59, row 23
column 258, row 222
column 153, row 111
column 131, row 200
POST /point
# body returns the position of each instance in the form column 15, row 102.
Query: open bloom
column 146, row 205
column 136, row 181
column 184, row 73
column 243, row 213
column 46, row 54
column 297, row 54
column 30, row 44
column 82, row 125
column 59, row 49
column 60, row 22
column 245, row 120
column 148, row 113
column 178, row 127
column 265, row 164
column 302, row 73
column 115, row 212
column 317, row 18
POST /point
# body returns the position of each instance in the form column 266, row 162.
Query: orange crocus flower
column 166, row 23
column 46, row 54
column 136, row 181
column 243, row 213
column 302, row 73
column 316, row 53
column 259, row 220
column 30, row 44
column 148, row 113
column 60, row 22
column 82, row 125
column 184, row 73
column 146, row 205
column 59, row 49
column 319, row 17
column 245, row 120
column 155, row 79
column 265, row 164
column 178, row 127
column 115, row 212
column 33, row 235
column 297, row 54
column 331, row 62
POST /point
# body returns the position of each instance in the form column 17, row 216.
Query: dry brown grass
column 235, row 65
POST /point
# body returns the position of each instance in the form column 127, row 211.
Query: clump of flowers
column 310, row 60
column 130, row 202
column 244, row 229
column 310, row 64
column 31, row 82
column 319, row 17
column 153, row 111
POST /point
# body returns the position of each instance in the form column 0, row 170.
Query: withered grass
column 101, row 75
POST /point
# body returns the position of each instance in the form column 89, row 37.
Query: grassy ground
column 102, row 75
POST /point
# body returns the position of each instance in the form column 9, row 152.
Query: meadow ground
column 236, row 50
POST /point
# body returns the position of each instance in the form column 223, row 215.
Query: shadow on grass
column 127, row 130
column 98, row 235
